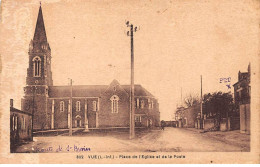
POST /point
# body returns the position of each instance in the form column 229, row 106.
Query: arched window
column 78, row 106
column 94, row 106
column 16, row 123
column 137, row 103
column 61, row 106
column 36, row 66
column 114, row 103
column 13, row 122
column 149, row 104
column 142, row 103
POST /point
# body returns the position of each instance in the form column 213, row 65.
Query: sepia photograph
column 151, row 81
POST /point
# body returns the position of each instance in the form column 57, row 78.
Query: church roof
column 139, row 90
column 91, row 91
column 77, row 91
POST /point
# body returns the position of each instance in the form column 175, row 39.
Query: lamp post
column 132, row 99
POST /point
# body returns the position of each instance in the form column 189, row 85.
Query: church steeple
column 39, row 71
column 39, row 43
column 39, row 75
column 40, row 34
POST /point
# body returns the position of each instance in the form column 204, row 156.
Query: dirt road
column 169, row 140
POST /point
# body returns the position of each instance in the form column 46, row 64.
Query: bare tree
column 191, row 100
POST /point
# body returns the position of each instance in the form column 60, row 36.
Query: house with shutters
column 93, row 106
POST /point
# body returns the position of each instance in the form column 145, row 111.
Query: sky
column 178, row 41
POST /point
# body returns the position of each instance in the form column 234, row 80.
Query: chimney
column 11, row 103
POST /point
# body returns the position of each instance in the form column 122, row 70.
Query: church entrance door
column 78, row 121
column 78, row 124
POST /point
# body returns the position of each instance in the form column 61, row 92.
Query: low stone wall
column 234, row 123
column 225, row 124
column 209, row 123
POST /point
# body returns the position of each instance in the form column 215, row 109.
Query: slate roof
column 91, row 91
column 12, row 109
column 77, row 91
column 139, row 90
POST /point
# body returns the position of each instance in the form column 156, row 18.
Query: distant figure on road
column 162, row 124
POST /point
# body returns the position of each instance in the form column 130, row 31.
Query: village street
column 169, row 140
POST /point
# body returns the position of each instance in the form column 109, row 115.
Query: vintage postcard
column 120, row 81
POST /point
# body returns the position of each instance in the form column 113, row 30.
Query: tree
column 191, row 100
column 219, row 105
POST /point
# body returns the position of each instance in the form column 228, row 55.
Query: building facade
column 93, row 106
column 190, row 116
column 20, row 126
column 187, row 117
column 242, row 88
column 242, row 95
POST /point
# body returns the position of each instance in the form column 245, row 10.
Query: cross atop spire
column 40, row 34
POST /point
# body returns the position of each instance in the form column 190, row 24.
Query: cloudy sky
column 178, row 41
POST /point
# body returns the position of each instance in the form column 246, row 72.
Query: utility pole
column 132, row 97
column 34, row 88
column 70, row 129
column 181, row 96
column 201, row 113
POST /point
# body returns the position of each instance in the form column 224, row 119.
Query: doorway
column 78, row 121
column 78, row 124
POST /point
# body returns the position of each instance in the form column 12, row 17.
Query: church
column 93, row 106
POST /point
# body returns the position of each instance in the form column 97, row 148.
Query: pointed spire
column 40, row 34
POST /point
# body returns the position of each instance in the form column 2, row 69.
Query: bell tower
column 39, row 76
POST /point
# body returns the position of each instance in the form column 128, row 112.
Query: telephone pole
column 70, row 113
column 132, row 97
column 181, row 96
column 34, row 89
column 201, row 113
